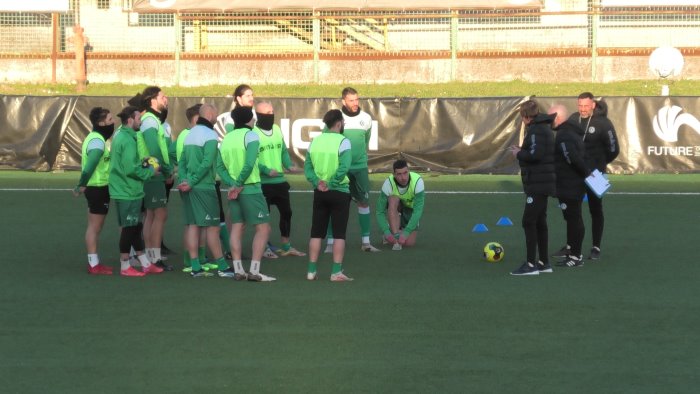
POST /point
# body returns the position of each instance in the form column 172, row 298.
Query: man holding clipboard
column 601, row 148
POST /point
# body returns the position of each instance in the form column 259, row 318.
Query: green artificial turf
column 433, row 319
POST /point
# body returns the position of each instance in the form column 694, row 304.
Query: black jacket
column 536, row 157
column 568, row 161
column 600, row 138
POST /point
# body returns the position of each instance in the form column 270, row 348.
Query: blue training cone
column 504, row 221
column 480, row 228
column 585, row 198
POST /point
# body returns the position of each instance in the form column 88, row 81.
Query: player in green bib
column 358, row 128
column 126, row 178
column 400, row 206
column 326, row 166
column 198, row 175
column 239, row 170
column 151, row 141
column 94, row 180
column 273, row 161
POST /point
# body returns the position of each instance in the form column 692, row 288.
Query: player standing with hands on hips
column 536, row 158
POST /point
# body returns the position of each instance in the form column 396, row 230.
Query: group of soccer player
column 146, row 160
column 558, row 165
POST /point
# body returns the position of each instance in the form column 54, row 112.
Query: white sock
column 148, row 253
column 254, row 267
column 238, row 267
column 363, row 210
column 132, row 253
column 365, row 240
column 144, row 261
column 93, row 260
column 156, row 254
column 125, row 264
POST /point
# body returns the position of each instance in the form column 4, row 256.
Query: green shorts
column 187, row 213
column 205, row 208
column 406, row 214
column 155, row 194
column 359, row 185
column 128, row 212
column 249, row 208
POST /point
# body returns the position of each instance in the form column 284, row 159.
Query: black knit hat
column 241, row 115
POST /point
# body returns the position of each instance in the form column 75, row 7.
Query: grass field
column 451, row 89
column 433, row 319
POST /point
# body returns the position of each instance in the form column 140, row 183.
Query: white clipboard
column 598, row 182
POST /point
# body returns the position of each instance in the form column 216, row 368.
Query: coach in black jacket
column 600, row 141
column 536, row 158
column 571, row 172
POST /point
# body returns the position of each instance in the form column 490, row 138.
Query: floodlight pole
column 595, row 14
column 454, row 37
column 316, row 26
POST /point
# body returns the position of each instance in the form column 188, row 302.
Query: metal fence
column 566, row 27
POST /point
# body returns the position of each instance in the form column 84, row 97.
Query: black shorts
column 98, row 199
column 333, row 205
column 276, row 193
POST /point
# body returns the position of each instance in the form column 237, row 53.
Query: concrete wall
column 208, row 72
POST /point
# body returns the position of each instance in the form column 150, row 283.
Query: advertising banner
column 452, row 135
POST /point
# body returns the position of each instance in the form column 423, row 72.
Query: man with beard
column 571, row 172
column 126, row 179
column 400, row 206
column 152, row 143
column 601, row 148
column 358, row 127
column 94, row 183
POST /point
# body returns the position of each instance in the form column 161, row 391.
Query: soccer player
column 94, row 183
column 126, row 179
column 198, row 173
column 570, row 172
column 239, row 170
column 273, row 161
column 601, row 146
column 192, row 114
column 327, row 163
column 400, row 206
column 358, row 127
column 152, row 142
column 536, row 157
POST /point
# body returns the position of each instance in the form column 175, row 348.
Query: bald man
column 197, row 179
column 571, row 172
column 273, row 161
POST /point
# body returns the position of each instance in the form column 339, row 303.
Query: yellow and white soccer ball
column 494, row 252
column 151, row 162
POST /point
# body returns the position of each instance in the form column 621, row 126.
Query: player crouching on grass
column 94, row 181
column 126, row 178
column 400, row 206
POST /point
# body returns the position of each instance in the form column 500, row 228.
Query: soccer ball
column 151, row 162
column 494, row 252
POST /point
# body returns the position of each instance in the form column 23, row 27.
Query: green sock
column 337, row 267
column 312, row 268
column 224, row 237
column 364, row 219
column 202, row 253
column 286, row 246
column 221, row 262
column 186, row 259
column 195, row 265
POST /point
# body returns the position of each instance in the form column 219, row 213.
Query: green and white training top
column 358, row 129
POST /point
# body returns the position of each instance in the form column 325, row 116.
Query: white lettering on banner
column 673, row 150
column 666, row 123
column 294, row 131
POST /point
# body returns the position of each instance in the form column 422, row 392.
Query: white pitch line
column 376, row 192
